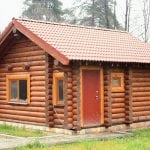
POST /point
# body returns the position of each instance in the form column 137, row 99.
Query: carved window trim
column 56, row 78
column 16, row 77
column 117, row 88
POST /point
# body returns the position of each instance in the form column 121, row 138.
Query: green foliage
column 139, row 141
column 50, row 10
column 22, row 132
column 32, row 146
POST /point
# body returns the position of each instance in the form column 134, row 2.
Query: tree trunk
column 106, row 14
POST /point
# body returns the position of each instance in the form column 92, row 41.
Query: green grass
column 22, row 132
column 139, row 141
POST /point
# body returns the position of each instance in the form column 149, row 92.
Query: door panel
column 91, row 97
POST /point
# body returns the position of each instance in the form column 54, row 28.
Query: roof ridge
column 70, row 25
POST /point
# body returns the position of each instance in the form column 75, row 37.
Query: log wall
column 24, row 52
column 141, row 94
column 114, row 102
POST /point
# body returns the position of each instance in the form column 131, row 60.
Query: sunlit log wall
column 140, row 94
column 23, row 51
column 132, row 105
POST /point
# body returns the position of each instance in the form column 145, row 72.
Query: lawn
column 22, row 132
column 139, row 141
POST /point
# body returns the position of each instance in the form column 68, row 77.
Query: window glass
column 23, row 89
column 60, row 90
column 13, row 90
column 116, row 82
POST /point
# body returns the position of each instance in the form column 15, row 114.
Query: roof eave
column 33, row 37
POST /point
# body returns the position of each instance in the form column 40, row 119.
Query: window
column 18, row 88
column 58, row 91
column 117, row 82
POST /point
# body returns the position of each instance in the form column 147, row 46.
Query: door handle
column 97, row 97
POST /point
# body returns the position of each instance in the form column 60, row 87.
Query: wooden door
column 91, row 97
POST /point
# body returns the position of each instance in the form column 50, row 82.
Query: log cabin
column 73, row 78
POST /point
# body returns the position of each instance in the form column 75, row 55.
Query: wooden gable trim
column 101, row 93
column 33, row 37
column 45, row 46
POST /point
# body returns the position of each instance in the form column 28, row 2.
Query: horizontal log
column 141, row 84
column 69, row 91
column 118, row 110
column 141, row 118
column 69, row 96
column 118, row 121
column 74, row 111
column 37, row 73
column 69, row 74
column 118, row 100
column 38, row 88
column 38, row 104
column 138, row 104
column 40, row 94
column 23, row 113
column 75, row 123
column 70, row 114
column 69, row 108
column 23, row 118
column 138, row 99
column 58, row 126
column 37, row 78
column 37, row 99
column 59, row 110
column 75, row 117
column 24, row 48
column 3, row 97
column 69, row 86
column 117, row 95
column 74, row 106
column 141, row 108
column 3, row 93
column 119, row 115
column 70, row 120
column 118, row 105
column 69, row 80
column 69, row 103
column 141, row 113
column 38, row 83
column 59, row 116
column 24, row 54
column 58, row 122
column 23, row 108
column 141, row 75
column 141, row 89
column 25, row 59
column 69, row 126
column 74, row 99
column 140, row 94
column 141, row 71
column 20, row 121
column 141, row 79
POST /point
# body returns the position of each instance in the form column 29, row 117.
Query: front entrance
column 91, row 98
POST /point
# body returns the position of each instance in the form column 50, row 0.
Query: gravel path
column 11, row 142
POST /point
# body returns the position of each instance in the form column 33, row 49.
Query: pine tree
column 50, row 10
column 96, row 13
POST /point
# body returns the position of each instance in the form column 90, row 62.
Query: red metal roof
column 71, row 42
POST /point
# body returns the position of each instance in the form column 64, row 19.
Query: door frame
column 82, row 68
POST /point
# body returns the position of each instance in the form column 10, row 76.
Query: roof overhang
column 33, row 37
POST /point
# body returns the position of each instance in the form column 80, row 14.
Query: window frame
column 17, row 77
column 121, row 87
column 56, row 77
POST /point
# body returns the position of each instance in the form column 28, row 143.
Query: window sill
column 17, row 103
